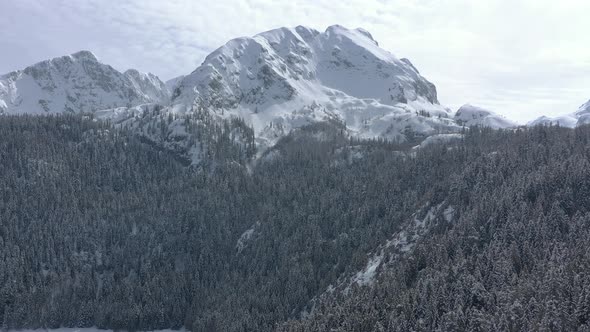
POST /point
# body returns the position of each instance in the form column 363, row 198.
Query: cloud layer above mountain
column 520, row 58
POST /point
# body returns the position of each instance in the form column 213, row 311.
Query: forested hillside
column 100, row 229
column 514, row 258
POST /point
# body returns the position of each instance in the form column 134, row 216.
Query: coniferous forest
column 98, row 228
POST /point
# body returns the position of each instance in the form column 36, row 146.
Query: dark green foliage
column 216, row 140
column 98, row 228
column 515, row 257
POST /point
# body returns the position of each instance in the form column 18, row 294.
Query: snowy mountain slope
column 76, row 83
column 580, row 117
column 469, row 115
column 149, row 85
column 275, row 81
column 172, row 83
column 285, row 78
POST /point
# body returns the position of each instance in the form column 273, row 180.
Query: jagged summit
column 76, row 83
column 84, row 55
column 61, row 62
column 150, row 85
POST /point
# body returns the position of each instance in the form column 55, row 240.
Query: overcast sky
column 520, row 58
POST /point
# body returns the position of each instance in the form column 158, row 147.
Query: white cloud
column 522, row 58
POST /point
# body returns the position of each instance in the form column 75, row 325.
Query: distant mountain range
column 276, row 81
column 580, row 117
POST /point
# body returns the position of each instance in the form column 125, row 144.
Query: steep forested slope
column 100, row 229
column 513, row 258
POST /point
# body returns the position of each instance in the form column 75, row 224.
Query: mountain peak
column 138, row 74
column 299, row 75
column 470, row 115
column 472, row 109
column 84, row 55
column 62, row 62
column 366, row 34
column 149, row 85
column 571, row 120
column 352, row 34
column 76, row 83
column 133, row 72
column 306, row 33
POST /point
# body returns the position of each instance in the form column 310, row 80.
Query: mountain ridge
column 74, row 83
column 571, row 120
column 276, row 81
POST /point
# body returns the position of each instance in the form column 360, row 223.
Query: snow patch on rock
column 245, row 238
column 400, row 243
column 367, row 276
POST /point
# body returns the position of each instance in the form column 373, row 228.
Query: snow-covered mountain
column 275, row 82
column 288, row 77
column 580, row 117
column 149, row 85
column 76, row 83
column 469, row 115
